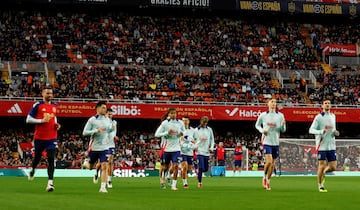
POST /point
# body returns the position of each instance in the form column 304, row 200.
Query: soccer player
column 270, row 124
column 220, row 154
column 43, row 115
column 112, row 138
column 99, row 127
column 204, row 145
column 220, row 158
column 187, row 150
column 164, row 169
column 170, row 131
column 111, row 151
column 237, row 158
column 324, row 129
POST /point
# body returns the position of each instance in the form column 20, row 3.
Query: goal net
column 299, row 156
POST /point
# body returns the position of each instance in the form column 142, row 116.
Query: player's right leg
column 184, row 170
column 267, row 170
column 201, row 168
column 38, row 153
column 162, row 176
column 320, row 175
column 96, row 175
column 104, row 164
column 50, row 169
column 163, row 168
column 110, row 171
column 269, row 153
column 175, row 159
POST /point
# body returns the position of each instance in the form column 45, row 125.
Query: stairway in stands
column 4, row 75
column 52, row 77
column 327, row 68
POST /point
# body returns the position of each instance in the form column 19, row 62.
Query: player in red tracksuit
column 220, row 154
column 43, row 115
column 237, row 158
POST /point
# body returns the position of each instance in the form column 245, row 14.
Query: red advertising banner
column 340, row 49
column 155, row 111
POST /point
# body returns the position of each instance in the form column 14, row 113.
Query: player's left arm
column 336, row 132
column 57, row 124
column 258, row 123
column 283, row 123
column 211, row 139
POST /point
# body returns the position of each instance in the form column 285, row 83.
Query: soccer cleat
column 322, row 190
column 200, row 185
column 264, row 182
column 50, row 188
column 186, row 186
column 95, row 179
column 163, row 186
column 268, row 186
column 31, row 175
column 169, row 181
column 109, row 184
column 174, row 188
column 103, row 190
column 85, row 164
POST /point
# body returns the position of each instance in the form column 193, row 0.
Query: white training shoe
column 86, row 164
column 31, row 175
column 95, row 179
column 109, row 184
column 50, row 188
column 103, row 190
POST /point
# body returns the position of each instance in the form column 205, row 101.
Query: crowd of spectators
column 171, row 58
column 342, row 87
column 123, row 38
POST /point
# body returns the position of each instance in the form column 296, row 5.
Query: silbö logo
column 129, row 173
column 125, row 110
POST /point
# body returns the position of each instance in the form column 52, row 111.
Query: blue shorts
column 237, row 163
column 203, row 162
column 273, row 150
column 188, row 159
column 98, row 155
column 111, row 151
column 329, row 155
column 41, row 145
column 171, row 157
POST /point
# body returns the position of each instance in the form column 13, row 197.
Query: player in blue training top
column 99, row 127
column 270, row 124
column 187, row 150
column 170, row 132
column 204, row 145
column 324, row 129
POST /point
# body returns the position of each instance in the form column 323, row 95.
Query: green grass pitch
column 218, row 193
